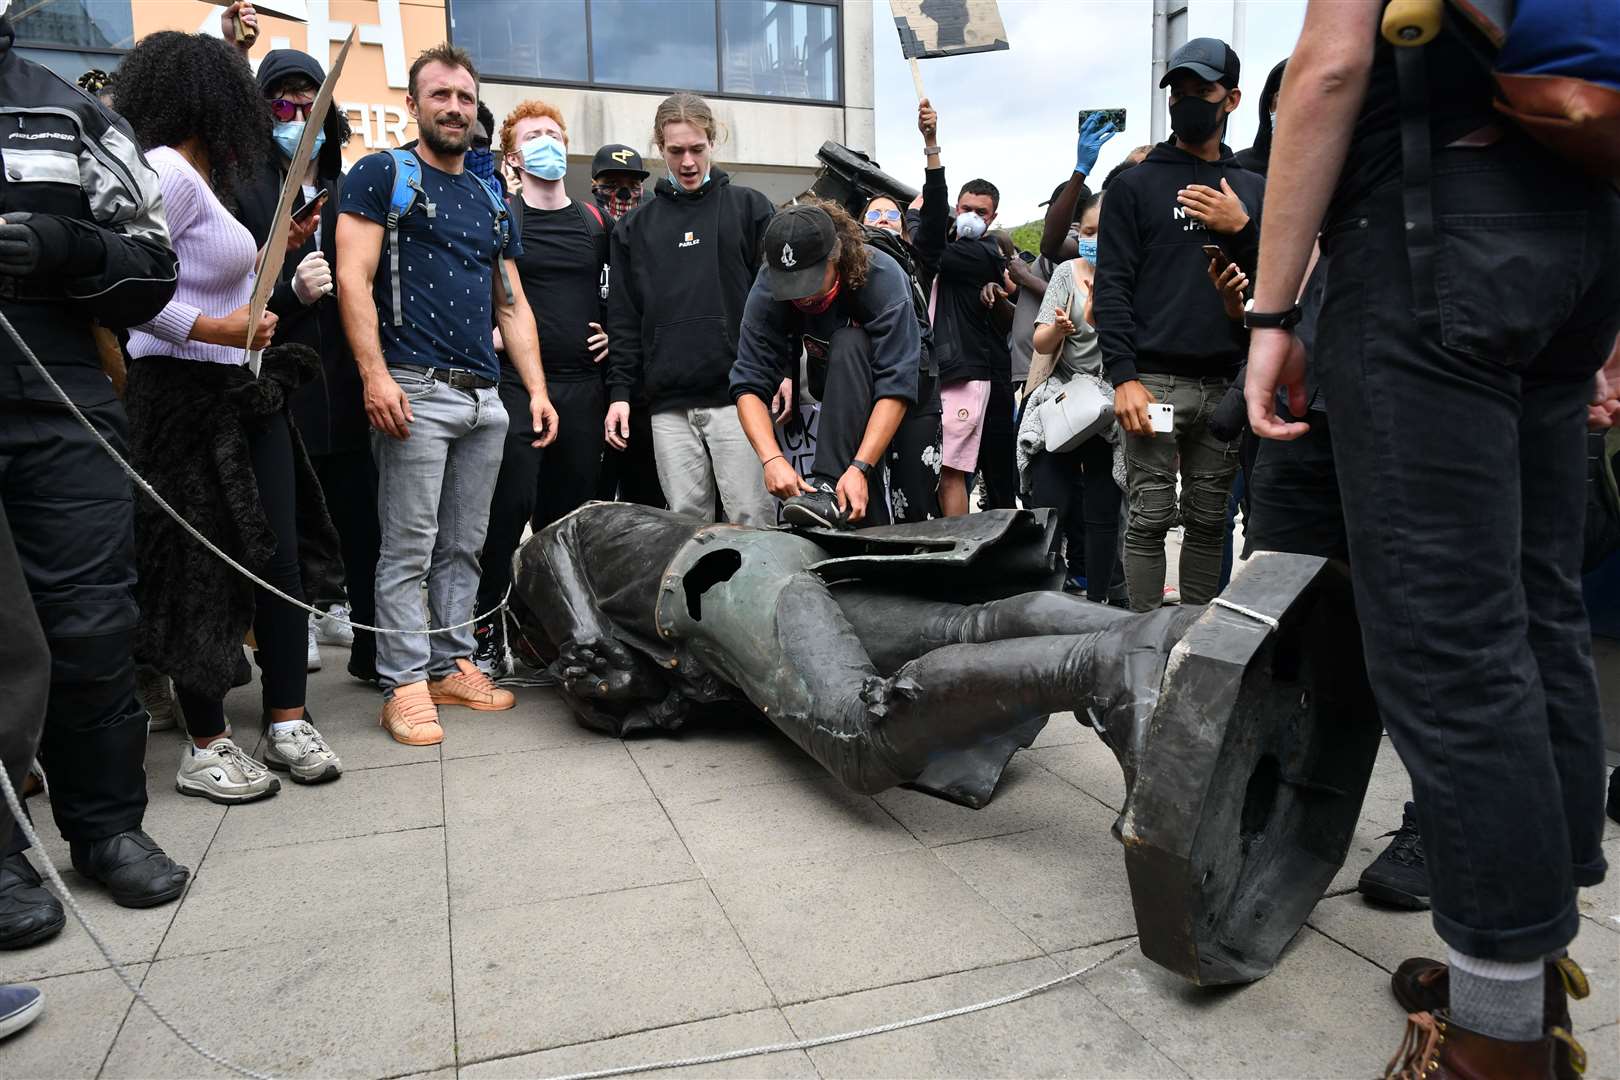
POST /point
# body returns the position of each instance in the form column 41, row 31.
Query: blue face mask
column 1088, row 249
column 545, row 157
column 481, row 163
column 288, row 132
column 675, row 181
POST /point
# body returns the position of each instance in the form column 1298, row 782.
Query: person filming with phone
column 1168, row 344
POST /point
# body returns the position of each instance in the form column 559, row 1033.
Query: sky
column 1011, row 117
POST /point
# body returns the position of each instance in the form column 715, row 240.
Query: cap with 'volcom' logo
column 798, row 243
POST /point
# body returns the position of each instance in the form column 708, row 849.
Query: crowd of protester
column 457, row 352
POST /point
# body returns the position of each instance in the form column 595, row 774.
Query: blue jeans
column 433, row 494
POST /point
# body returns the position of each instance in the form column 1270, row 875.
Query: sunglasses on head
column 875, row 216
column 284, row 110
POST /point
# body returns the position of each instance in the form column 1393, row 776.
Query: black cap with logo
column 1209, row 58
column 617, row 158
column 798, row 243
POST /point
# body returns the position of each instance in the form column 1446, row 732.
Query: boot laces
column 1419, row 1053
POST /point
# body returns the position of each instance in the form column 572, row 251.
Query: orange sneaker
column 471, row 688
column 410, row 717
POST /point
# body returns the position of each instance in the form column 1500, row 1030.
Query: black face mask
column 1194, row 120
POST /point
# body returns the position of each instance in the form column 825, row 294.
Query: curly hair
column 529, row 110
column 854, row 261
column 173, row 87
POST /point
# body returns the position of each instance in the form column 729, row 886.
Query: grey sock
column 1497, row 998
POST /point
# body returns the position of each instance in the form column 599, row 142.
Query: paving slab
column 830, row 928
column 1324, row 1012
column 132, row 935
column 569, row 851
column 367, row 1004
column 360, row 803
column 1028, row 797
column 346, row 709
column 72, row 1036
column 702, row 760
column 793, row 821
column 1087, row 765
column 1064, row 886
column 494, row 787
column 592, row 967
column 1601, row 903
column 762, row 1027
column 1061, row 1032
column 306, row 892
column 539, row 721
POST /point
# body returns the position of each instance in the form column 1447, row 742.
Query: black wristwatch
column 860, row 466
column 1270, row 320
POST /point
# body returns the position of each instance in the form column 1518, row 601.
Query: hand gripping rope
column 14, row 804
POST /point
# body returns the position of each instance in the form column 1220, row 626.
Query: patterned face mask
column 617, row 201
column 481, row 163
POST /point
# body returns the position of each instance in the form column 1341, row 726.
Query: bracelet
column 778, row 457
column 930, row 151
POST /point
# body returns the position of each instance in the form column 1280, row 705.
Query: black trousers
column 26, row 661
column 1461, row 462
column 536, row 487
column 349, row 482
column 1080, row 486
column 998, row 455
column 280, row 630
column 1293, row 496
column 73, row 526
column 631, row 474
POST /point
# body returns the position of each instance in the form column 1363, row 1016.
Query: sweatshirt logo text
column 689, row 241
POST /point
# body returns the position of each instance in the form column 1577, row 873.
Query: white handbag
column 1079, row 410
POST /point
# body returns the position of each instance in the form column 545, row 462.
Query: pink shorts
column 962, row 405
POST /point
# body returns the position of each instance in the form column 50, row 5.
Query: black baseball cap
column 615, row 157
column 798, row 243
column 1208, row 58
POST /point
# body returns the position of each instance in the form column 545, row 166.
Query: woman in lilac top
column 214, row 440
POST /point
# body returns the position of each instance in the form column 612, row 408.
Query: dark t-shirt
column 562, row 270
column 447, row 266
column 1460, row 92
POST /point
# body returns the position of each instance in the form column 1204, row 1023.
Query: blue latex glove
column 1097, row 130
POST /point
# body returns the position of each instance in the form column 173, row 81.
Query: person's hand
column 1131, row 401
column 597, row 343
column 616, row 427
column 544, row 416
column 1276, row 359
column 1097, row 130
column 1061, row 320
column 852, row 494
column 20, row 248
column 313, row 278
column 783, row 480
column 1220, row 211
column 239, row 14
column 928, row 123
column 1230, row 281
column 231, row 330
column 991, row 293
column 1604, row 412
column 302, row 228
column 387, row 407
column 782, row 402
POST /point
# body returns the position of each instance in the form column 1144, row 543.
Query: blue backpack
column 407, row 187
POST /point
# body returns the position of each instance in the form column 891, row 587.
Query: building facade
column 784, row 75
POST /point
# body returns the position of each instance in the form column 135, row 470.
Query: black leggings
column 280, row 630
column 1080, row 485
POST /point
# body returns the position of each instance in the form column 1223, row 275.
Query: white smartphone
column 1163, row 416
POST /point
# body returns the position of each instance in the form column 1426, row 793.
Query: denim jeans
column 703, row 450
column 1460, row 451
column 1207, row 465
column 433, row 494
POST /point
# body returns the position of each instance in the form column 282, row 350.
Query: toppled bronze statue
column 927, row 654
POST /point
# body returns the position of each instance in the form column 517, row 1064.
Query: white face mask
column 970, row 226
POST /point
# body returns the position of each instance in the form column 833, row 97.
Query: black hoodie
column 682, row 265
column 1157, row 311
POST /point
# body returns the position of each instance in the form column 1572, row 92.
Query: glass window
column 655, row 43
column 774, row 48
column 75, row 24
column 521, row 39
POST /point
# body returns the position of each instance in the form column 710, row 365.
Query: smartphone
column 1115, row 117
column 1163, row 417
column 309, row 207
column 1213, row 251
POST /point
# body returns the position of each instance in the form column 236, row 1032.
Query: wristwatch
column 860, row 466
column 1270, row 320
column 930, row 151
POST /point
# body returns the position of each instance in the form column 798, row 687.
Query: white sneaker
column 1172, row 595
column 223, row 774
column 302, row 754
column 314, row 662
column 334, row 629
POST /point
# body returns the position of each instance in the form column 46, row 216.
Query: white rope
column 826, row 1040
column 1259, row 616
column 27, row 827
column 141, row 483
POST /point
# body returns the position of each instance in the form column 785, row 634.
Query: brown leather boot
column 1424, row 985
column 1435, row 1048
